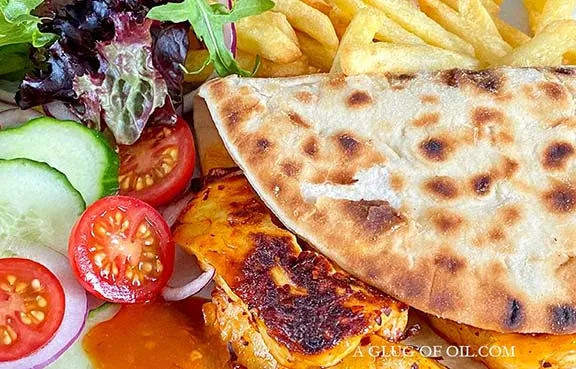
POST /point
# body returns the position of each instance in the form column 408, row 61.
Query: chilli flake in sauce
column 159, row 335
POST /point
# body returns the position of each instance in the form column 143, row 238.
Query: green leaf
column 18, row 26
column 208, row 22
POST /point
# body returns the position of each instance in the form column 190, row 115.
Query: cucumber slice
column 82, row 154
column 75, row 356
column 37, row 205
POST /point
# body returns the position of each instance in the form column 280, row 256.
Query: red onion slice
column 16, row 117
column 94, row 302
column 75, row 313
column 59, row 110
column 172, row 211
column 230, row 38
column 185, row 265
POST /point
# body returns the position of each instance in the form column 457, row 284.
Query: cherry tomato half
column 31, row 307
column 159, row 165
column 121, row 250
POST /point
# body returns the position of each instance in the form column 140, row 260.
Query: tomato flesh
column 121, row 250
column 31, row 307
column 159, row 165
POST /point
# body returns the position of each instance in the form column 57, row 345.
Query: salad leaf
column 208, row 21
column 126, row 91
column 18, row 26
column 112, row 65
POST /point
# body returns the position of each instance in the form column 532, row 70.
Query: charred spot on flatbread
column 429, row 99
column 482, row 116
column 426, row 120
column 435, row 149
column 490, row 81
column 442, row 301
column 310, row 147
column 374, row 217
column 562, row 318
column 291, row 169
column 305, row 97
column 514, row 317
column 481, row 184
column 449, row 263
column 560, row 199
column 557, row 155
column 446, row 221
column 298, row 120
column 444, row 188
column 348, row 144
column 564, row 71
column 399, row 81
column 359, row 99
column 552, row 90
column 239, row 110
column 261, row 145
column 337, row 81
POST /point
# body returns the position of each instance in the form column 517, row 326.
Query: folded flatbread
column 454, row 192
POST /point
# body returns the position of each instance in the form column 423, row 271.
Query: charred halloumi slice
column 307, row 313
column 229, row 321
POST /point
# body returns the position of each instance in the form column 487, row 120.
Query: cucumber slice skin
column 84, row 155
column 37, row 205
column 75, row 357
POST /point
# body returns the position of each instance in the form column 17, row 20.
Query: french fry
column 537, row 5
column 488, row 47
column 321, row 5
column 534, row 19
column 280, row 21
column 340, row 20
column 490, row 6
column 380, row 57
column 389, row 31
column 309, row 20
column 318, row 54
column 195, row 60
column 546, row 48
column 270, row 69
column 361, row 31
column 421, row 25
column 260, row 35
column 475, row 12
column 555, row 10
column 513, row 36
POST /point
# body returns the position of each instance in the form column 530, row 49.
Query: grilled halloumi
column 511, row 350
column 306, row 312
column 230, row 320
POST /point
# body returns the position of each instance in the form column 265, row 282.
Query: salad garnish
column 208, row 21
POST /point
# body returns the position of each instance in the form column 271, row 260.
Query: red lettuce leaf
column 114, row 65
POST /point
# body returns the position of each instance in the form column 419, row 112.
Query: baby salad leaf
column 208, row 22
column 18, row 26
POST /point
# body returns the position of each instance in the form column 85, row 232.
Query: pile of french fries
column 369, row 36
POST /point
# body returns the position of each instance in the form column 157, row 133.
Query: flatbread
column 454, row 192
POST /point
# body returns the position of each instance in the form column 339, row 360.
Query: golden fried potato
column 361, row 31
column 383, row 57
column 195, row 61
column 265, row 35
column 475, row 12
column 508, row 350
column 321, row 5
column 318, row 54
column 534, row 19
column 537, row 5
column 546, row 48
column 270, row 69
column 491, row 6
column 340, row 20
column 488, row 47
column 389, row 30
column 309, row 20
column 415, row 21
column 512, row 35
column 555, row 10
